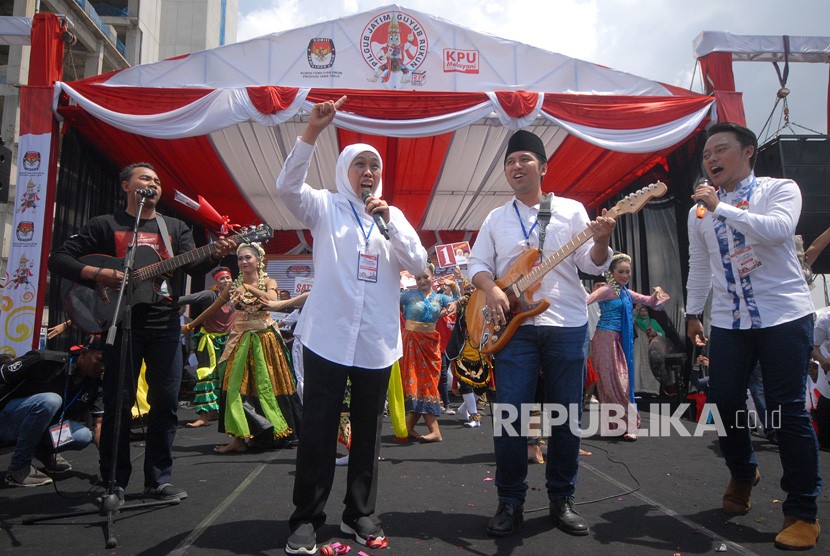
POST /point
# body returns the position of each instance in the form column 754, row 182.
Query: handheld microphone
column 700, row 212
column 148, row 192
column 365, row 194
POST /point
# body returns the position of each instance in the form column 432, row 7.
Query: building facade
column 103, row 36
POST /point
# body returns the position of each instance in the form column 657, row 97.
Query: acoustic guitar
column 91, row 306
column 524, row 277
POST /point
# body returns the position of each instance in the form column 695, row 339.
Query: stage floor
column 655, row 496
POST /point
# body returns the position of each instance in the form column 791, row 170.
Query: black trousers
column 160, row 350
column 325, row 384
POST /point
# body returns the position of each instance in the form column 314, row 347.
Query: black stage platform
column 654, row 496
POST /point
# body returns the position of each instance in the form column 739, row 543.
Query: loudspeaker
column 5, row 172
column 806, row 160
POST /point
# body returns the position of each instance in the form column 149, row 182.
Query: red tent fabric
column 437, row 100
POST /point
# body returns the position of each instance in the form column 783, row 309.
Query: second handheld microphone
column 701, row 206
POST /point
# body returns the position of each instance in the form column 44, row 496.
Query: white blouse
column 345, row 320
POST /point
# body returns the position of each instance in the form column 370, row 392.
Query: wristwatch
column 694, row 316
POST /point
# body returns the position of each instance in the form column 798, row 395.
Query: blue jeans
column 560, row 353
column 783, row 352
column 756, row 390
column 23, row 421
column 81, row 435
column 161, row 352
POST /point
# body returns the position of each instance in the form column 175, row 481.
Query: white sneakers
column 473, row 421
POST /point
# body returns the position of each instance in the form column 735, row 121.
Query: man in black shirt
column 155, row 327
column 50, row 401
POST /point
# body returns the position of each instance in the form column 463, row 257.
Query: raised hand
column 662, row 296
column 321, row 115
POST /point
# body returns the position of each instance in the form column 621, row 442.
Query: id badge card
column 746, row 260
column 60, row 434
column 367, row 267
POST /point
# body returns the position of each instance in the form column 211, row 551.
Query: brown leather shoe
column 736, row 498
column 797, row 534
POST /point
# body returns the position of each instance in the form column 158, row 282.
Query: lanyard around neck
column 359, row 223
column 525, row 231
column 65, row 393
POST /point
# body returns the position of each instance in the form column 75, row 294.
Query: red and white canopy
column 439, row 107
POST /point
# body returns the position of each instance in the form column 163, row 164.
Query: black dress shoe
column 506, row 521
column 565, row 517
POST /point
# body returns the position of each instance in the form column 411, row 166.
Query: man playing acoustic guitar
column 554, row 341
column 155, row 325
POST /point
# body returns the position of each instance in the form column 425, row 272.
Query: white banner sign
column 23, row 267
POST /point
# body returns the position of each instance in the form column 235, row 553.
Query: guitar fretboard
column 169, row 265
column 548, row 264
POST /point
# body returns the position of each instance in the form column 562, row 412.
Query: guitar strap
column 165, row 235
column 543, row 218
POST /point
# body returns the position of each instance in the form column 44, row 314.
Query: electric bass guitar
column 91, row 306
column 523, row 279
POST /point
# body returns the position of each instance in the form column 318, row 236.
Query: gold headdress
column 609, row 275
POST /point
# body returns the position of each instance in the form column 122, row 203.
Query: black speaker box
column 806, row 160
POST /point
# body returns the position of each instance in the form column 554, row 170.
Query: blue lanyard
column 65, row 392
column 524, row 230
column 359, row 223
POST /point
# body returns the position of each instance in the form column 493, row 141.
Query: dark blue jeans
column 161, row 352
column 24, row 421
column 560, row 354
column 783, row 352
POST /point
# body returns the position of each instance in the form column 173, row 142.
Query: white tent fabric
column 15, row 30
column 763, row 48
column 442, row 104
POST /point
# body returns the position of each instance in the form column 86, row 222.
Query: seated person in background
column 45, row 388
column 662, row 353
column 699, row 378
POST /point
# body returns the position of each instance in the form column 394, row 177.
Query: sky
column 648, row 38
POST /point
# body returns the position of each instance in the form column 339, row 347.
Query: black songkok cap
column 525, row 141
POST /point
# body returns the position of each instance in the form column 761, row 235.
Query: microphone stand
column 110, row 504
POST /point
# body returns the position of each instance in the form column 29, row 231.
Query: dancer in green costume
column 258, row 398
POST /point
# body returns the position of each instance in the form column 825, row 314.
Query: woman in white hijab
column 349, row 327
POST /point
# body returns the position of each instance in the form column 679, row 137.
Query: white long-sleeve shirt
column 821, row 331
column 501, row 241
column 346, row 320
column 768, row 223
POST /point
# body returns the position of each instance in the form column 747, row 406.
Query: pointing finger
column 340, row 101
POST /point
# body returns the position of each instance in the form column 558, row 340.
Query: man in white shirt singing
column 742, row 248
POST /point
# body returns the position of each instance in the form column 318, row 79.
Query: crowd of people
column 357, row 327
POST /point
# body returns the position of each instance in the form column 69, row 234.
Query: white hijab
column 341, row 172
